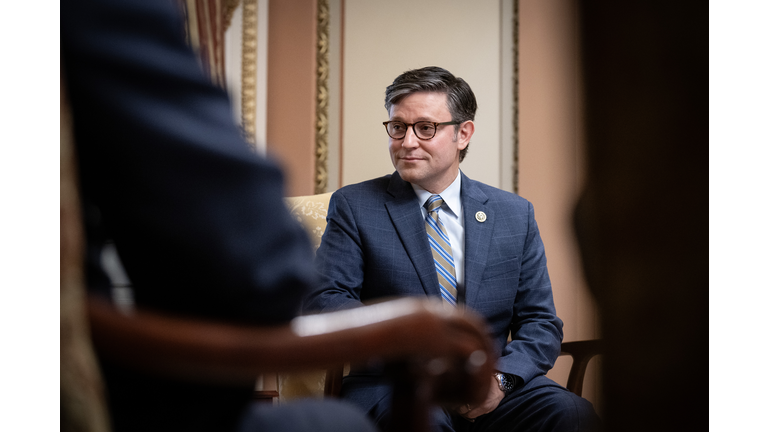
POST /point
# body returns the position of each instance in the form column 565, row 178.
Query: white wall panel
column 384, row 39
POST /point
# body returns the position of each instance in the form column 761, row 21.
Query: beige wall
column 551, row 162
column 384, row 39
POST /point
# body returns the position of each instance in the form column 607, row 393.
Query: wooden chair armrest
column 406, row 330
column 581, row 352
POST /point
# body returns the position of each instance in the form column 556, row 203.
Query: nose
column 410, row 140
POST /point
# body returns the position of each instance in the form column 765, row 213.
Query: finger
column 474, row 413
column 464, row 409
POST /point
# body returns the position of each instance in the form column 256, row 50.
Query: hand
column 495, row 395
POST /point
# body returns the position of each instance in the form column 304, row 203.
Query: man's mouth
column 410, row 158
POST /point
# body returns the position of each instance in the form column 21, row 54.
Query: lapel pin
column 480, row 216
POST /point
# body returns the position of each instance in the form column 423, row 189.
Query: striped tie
column 441, row 250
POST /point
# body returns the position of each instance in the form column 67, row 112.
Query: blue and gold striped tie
column 441, row 250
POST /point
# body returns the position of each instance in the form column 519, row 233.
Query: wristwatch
column 507, row 382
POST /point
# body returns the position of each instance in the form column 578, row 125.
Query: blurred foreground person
column 642, row 220
column 197, row 219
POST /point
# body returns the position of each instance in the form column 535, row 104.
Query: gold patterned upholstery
column 82, row 400
column 310, row 211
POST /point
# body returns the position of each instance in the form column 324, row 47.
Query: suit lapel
column 477, row 235
column 405, row 213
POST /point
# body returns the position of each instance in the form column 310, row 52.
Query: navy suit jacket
column 375, row 246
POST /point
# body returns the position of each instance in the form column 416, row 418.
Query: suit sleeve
column 535, row 328
column 197, row 218
column 339, row 261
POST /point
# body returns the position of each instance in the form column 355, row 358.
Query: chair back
column 83, row 406
column 310, row 211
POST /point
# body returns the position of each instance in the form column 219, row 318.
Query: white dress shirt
column 452, row 217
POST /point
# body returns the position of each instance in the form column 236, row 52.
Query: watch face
column 505, row 384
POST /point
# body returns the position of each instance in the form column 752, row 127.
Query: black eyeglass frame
column 412, row 125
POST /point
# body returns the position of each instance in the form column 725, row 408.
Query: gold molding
column 321, row 107
column 248, row 71
column 228, row 10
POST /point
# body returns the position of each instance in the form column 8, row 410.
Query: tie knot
column 433, row 203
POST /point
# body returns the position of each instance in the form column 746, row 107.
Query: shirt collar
column 451, row 195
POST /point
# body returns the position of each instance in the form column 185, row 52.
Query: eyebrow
column 418, row 119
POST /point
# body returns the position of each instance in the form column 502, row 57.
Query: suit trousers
column 539, row 405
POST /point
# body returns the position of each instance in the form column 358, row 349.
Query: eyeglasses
column 423, row 129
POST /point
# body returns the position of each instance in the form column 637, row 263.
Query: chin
column 407, row 175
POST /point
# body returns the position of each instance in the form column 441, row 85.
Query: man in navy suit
column 429, row 230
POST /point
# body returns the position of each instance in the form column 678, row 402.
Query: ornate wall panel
column 248, row 65
column 321, row 110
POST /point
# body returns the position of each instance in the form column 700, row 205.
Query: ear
column 466, row 130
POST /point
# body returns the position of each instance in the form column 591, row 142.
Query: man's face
column 431, row 164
